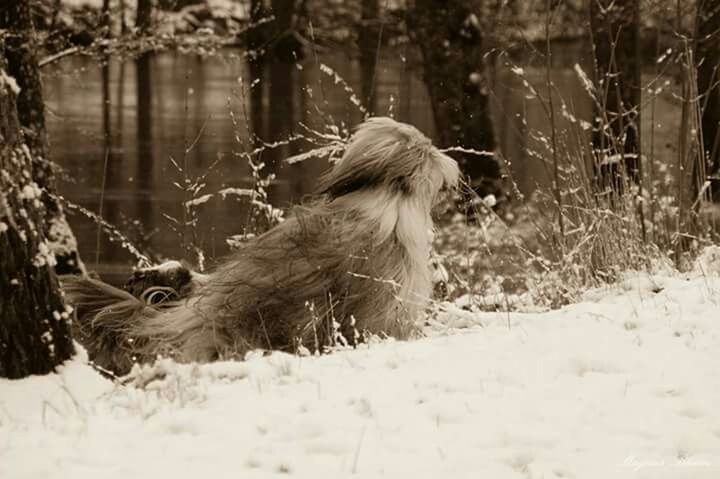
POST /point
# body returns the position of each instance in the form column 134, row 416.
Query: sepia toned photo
column 360, row 238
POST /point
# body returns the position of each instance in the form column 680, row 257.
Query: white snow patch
column 30, row 191
column 83, row 3
column 709, row 261
column 198, row 201
column 6, row 79
column 237, row 192
column 622, row 385
column 165, row 267
column 44, row 256
column 62, row 241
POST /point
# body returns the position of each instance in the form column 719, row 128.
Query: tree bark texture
column 20, row 54
column 615, row 26
column 34, row 323
column 708, row 83
column 450, row 39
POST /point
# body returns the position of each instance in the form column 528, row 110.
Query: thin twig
column 61, row 54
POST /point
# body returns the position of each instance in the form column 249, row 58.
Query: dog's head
column 384, row 153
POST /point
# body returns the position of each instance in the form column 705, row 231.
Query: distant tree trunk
column 281, row 95
column 20, row 53
column 257, row 34
column 450, row 39
column 57, row 5
column 123, row 19
column 106, row 18
column 615, row 26
column 273, row 29
column 257, row 39
column 283, row 11
column 708, row 79
column 283, row 38
column 145, row 137
column 34, row 324
column 368, row 36
column 143, row 16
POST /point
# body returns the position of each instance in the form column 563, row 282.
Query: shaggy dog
column 353, row 260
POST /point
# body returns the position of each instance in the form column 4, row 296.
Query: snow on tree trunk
column 708, row 77
column 34, row 322
column 20, row 54
column 615, row 32
column 450, row 39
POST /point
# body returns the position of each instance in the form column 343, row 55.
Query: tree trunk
column 368, row 36
column 34, row 323
column 123, row 19
column 708, row 77
column 257, row 41
column 106, row 19
column 257, row 33
column 283, row 38
column 450, row 39
column 143, row 16
column 615, row 26
column 145, row 137
column 272, row 31
column 20, row 53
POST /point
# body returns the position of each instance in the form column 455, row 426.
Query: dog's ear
column 402, row 185
column 335, row 185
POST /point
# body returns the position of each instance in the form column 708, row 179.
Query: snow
column 84, row 3
column 61, row 238
column 7, row 80
column 624, row 384
column 30, row 192
column 198, row 201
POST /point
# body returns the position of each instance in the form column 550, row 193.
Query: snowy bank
column 623, row 385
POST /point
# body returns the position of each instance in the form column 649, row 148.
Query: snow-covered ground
column 623, row 385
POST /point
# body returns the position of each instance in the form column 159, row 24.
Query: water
column 116, row 130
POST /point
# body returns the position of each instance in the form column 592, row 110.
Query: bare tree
column 708, row 84
column 615, row 27
column 34, row 323
column 450, row 38
column 20, row 54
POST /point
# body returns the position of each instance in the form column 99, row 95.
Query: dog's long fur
column 353, row 259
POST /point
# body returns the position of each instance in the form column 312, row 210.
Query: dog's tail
column 119, row 329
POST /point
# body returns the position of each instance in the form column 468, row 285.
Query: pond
column 126, row 133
